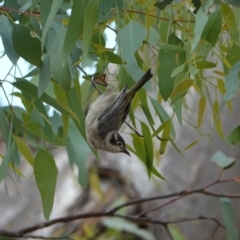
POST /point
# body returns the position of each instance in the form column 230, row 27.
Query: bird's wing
column 112, row 117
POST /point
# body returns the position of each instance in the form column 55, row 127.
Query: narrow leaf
column 53, row 10
column 45, row 171
column 190, row 145
column 165, row 138
column 229, row 219
column 24, row 149
column 6, row 35
column 205, row 65
column 213, row 27
column 201, row 110
column 130, row 39
column 75, row 28
column 148, row 145
column 231, row 83
column 217, row 119
column 90, row 19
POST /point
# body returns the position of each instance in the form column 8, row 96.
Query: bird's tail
column 146, row 77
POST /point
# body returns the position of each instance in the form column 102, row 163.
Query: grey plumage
column 107, row 114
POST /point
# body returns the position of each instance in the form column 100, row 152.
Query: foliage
column 178, row 41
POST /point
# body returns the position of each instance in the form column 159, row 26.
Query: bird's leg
column 91, row 79
column 136, row 132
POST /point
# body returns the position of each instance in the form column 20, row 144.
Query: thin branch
column 17, row 235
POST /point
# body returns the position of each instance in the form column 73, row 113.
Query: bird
column 107, row 114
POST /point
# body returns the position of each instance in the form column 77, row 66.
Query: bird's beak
column 126, row 151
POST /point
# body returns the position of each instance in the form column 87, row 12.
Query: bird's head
column 117, row 144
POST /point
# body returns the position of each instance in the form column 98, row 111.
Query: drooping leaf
column 229, row 219
column 169, row 62
column 75, row 28
column 162, row 115
column 6, row 160
column 130, row 39
column 205, row 65
column 4, row 125
column 223, row 161
column 201, row 20
column 55, row 5
column 60, row 72
column 45, row 171
column 90, row 19
column 24, row 149
column 26, row 46
column 217, row 119
column 234, row 137
column 78, row 150
column 162, row 4
column 171, row 48
column 107, row 9
column 126, row 226
column 191, row 145
column 31, row 90
column 6, row 35
column 148, row 145
column 213, row 27
column 231, row 83
column 165, row 138
column 201, row 110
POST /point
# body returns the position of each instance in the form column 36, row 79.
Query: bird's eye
column 119, row 144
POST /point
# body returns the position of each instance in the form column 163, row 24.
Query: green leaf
column 213, row 27
column 4, row 125
column 45, row 8
column 45, row 171
column 162, row 4
column 50, row 17
column 168, row 63
column 6, row 35
column 223, row 161
column 126, row 226
column 234, row 137
column 113, row 58
column 75, row 28
column 205, row 65
column 24, row 149
column 25, row 45
column 190, row 145
column 217, row 119
column 231, row 83
column 182, row 87
column 177, row 106
column 78, row 155
column 148, row 145
column 201, row 110
column 138, row 144
column 31, row 90
column 60, row 72
column 90, row 19
column 201, row 20
column 44, row 75
column 162, row 114
column 130, row 39
column 171, row 48
column 106, row 9
column 161, row 128
column 229, row 219
column 156, row 173
column 165, row 138
column 6, row 160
